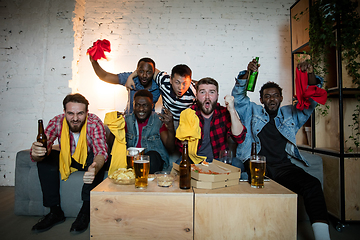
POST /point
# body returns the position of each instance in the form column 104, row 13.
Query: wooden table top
column 242, row 189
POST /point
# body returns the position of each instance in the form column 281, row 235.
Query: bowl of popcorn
column 123, row 176
column 164, row 178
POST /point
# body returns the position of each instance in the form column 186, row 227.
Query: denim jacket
column 154, row 89
column 288, row 121
column 150, row 137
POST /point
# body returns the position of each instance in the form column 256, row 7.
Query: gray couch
column 28, row 195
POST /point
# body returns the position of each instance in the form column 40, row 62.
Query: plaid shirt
column 220, row 130
column 95, row 134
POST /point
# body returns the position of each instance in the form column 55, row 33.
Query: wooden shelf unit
column 329, row 134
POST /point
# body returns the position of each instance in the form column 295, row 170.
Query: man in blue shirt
column 144, row 80
column 273, row 129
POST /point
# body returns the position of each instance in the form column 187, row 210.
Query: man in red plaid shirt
column 82, row 140
column 217, row 123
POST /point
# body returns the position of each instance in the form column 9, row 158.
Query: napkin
column 189, row 129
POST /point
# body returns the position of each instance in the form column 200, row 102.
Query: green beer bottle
column 251, row 80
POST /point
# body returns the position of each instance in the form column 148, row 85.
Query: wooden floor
column 14, row 227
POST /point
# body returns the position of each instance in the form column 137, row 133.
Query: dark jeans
column 156, row 162
column 49, row 176
column 304, row 184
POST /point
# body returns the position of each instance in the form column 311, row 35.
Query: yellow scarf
column 79, row 155
column 189, row 129
column 118, row 151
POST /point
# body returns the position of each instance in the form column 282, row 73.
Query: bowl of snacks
column 164, row 178
column 123, row 176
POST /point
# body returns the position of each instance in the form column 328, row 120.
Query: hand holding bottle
column 37, row 150
column 252, row 74
column 252, row 66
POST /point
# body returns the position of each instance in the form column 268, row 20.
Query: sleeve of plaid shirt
column 97, row 135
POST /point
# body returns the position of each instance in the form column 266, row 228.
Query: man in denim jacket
column 273, row 129
column 153, row 131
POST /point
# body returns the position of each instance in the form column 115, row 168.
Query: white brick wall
column 43, row 45
column 36, row 52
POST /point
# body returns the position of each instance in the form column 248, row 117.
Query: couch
column 28, row 195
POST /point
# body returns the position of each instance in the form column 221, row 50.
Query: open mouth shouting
column 207, row 106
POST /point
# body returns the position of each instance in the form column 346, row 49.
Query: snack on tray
column 123, row 176
column 205, row 163
column 199, row 170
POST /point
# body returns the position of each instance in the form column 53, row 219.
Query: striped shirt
column 175, row 104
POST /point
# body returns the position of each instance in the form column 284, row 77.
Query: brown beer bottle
column 185, row 168
column 253, row 149
column 252, row 156
column 41, row 137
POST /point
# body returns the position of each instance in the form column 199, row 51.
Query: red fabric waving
column 97, row 51
column 304, row 92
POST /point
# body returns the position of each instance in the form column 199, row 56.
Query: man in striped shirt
column 177, row 90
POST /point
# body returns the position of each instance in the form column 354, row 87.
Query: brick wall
column 36, row 53
column 43, row 45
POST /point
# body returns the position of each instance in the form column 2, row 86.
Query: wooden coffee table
column 242, row 212
column 236, row 212
column 123, row 212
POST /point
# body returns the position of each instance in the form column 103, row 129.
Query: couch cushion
column 28, row 195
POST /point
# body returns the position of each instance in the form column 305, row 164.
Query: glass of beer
column 130, row 158
column 141, row 168
column 257, row 170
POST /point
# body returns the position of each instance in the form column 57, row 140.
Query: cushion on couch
column 28, row 195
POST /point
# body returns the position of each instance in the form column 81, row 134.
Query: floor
column 14, row 227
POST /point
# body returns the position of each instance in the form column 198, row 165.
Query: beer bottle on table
column 253, row 149
column 185, row 168
column 41, row 137
column 251, row 80
column 252, row 156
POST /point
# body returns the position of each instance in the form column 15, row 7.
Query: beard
column 205, row 110
column 272, row 111
column 76, row 128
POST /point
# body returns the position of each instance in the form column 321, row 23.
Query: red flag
column 304, row 92
column 97, row 51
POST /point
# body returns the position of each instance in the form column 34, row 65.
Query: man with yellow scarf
column 82, row 148
column 207, row 125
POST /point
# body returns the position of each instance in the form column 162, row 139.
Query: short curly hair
column 270, row 85
column 143, row 93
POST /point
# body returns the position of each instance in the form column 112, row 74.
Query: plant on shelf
column 336, row 24
column 325, row 16
column 355, row 135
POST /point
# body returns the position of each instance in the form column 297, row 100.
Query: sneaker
column 81, row 223
column 48, row 222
